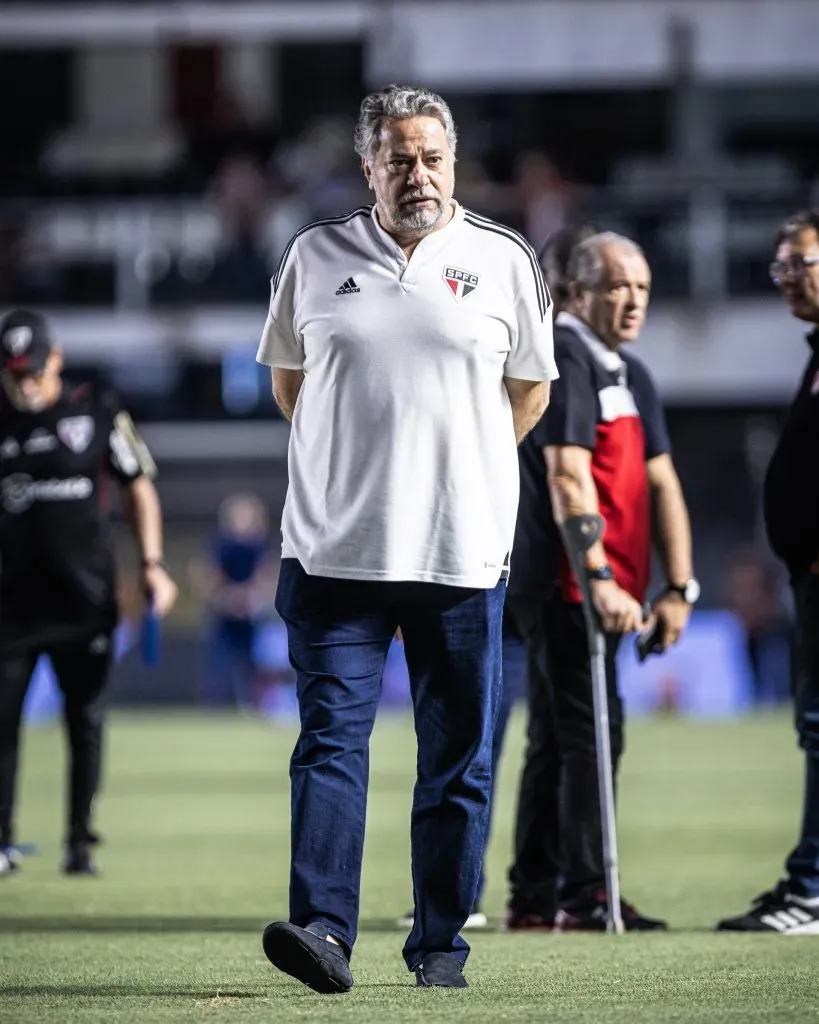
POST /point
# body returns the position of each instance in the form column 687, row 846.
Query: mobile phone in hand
column 650, row 640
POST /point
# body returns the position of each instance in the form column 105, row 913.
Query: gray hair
column 586, row 264
column 397, row 103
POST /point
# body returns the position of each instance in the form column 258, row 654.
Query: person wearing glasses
column 791, row 500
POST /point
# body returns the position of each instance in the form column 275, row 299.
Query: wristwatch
column 154, row 563
column 600, row 572
column 688, row 591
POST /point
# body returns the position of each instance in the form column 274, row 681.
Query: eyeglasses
column 796, row 266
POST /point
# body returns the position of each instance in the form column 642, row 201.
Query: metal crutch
column 579, row 534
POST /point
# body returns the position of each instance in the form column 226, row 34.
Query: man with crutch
column 607, row 462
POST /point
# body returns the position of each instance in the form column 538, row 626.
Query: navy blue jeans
column 339, row 632
column 803, row 863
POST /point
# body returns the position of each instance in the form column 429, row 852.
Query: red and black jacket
column 607, row 402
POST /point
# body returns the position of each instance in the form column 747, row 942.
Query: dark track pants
column 803, row 862
column 339, row 632
column 558, row 832
column 81, row 669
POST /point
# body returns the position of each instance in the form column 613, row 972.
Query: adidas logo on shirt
column 348, row 288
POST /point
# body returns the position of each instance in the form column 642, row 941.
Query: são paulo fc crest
column 17, row 339
column 76, row 432
column 460, row 282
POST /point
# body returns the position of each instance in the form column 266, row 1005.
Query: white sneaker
column 476, row 920
column 10, row 860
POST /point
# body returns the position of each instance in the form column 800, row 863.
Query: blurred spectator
column 216, row 132
column 9, row 254
column 275, row 680
column 545, row 197
column 755, row 595
column 319, row 166
column 236, row 580
column 289, row 211
column 477, row 191
column 239, row 191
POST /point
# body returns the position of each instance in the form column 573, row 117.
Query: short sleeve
column 650, row 407
column 128, row 455
column 531, row 355
column 572, row 413
column 281, row 346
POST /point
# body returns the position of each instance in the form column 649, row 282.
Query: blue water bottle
column 149, row 640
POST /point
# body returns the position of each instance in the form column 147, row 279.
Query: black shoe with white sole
column 309, row 955
column 778, row 912
column 440, row 970
column 589, row 913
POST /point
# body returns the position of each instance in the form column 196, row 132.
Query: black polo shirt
column 791, row 495
column 606, row 402
column 56, row 562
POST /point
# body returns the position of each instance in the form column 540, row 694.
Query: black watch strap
column 688, row 591
column 600, row 572
column 154, row 563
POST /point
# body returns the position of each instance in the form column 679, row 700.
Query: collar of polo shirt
column 608, row 358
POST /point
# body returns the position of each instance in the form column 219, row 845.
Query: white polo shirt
column 402, row 460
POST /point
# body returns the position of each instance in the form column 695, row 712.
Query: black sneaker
column 778, row 912
column 78, row 859
column 440, row 970
column 477, row 919
column 10, row 860
column 309, row 956
column 590, row 914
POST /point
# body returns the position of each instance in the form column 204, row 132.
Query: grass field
column 196, row 859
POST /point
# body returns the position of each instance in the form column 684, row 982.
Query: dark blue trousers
column 339, row 632
column 803, row 863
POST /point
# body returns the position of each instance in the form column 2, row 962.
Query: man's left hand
column 671, row 611
column 156, row 581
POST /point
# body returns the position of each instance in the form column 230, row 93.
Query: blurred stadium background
column 156, row 157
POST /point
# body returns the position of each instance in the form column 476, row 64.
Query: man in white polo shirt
column 411, row 346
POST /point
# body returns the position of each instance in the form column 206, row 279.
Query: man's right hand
column 157, row 582
column 618, row 611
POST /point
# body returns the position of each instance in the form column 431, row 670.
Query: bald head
column 610, row 286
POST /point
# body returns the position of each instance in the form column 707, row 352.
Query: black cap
column 25, row 341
